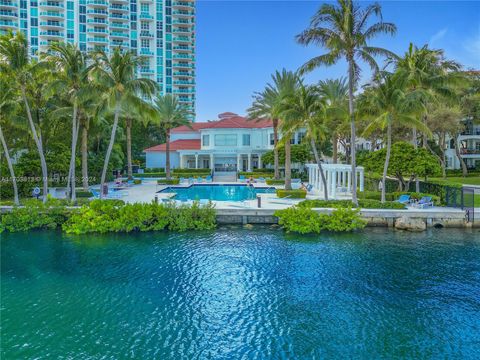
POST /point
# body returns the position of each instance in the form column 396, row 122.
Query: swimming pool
column 217, row 192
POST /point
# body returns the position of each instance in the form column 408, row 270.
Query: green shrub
column 195, row 217
column 304, row 220
column 34, row 215
column 137, row 181
column 84, row 194
column 168, row 182
column 362, row 203
column 292, row 194
column 269, row 171
column 102, row 216
column 154, row 170
column 255, row 175
column 191, row 171
column 150, row 175
column 274, row 182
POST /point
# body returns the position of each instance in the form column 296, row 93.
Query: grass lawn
column 472, row 180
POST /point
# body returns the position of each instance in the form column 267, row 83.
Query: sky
column 239, row 44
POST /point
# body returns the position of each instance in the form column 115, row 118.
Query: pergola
column 338, row 178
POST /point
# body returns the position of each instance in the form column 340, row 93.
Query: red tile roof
column 193, row 144
column 231, row 122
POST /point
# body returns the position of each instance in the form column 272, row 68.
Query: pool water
column 239, row 293
column 217, row 192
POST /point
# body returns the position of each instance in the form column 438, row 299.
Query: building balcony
column 119, row 17
column 97, row 22
column 120, row 8
column 98, row 48
column 183, row 65
column 181, row 39
column 116, row 25
column 472, row 152
column 146, row 71
column 184, row 91
column 52, row 34
column 97, row 12
column 145, row 16
column 119, row 35
column 183, row 22
column 121, row 2
column 8, row 24
column 183, row 48
column 97, row 31
column 98, row 3
column 120, row 44
column 8, row 5
column 50, row 25
column 8, row 15
column 53, row 5
column 183, row 74
column 183, row 14
column 51, row 14
column 186, row 5
column 146, row 34
column 184, row 57
column 97, row 40
column 146, row 52
column 184, row 82
column 182, row 30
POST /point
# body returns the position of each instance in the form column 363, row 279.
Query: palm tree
column 115, row 76
column 7, row 106
column 343, row 29
column 390, row 103
column 284, row 85
column 71, row 79
column 335, row 96
column 263, row 106
column 170, row 114
column 15, row 62
column 304, row 110
column 428, row 70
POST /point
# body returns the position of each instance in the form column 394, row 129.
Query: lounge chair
column 261, row 180
column 181, row 180
column 209, row 178
column 296, row 184
column 309, row 188
column 191, row 180
column 424, row 202
column 200, row 179
column 403, row 199
column 242, row 178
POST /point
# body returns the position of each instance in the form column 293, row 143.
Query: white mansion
column 232, row 143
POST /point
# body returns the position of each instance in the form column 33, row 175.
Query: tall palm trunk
column 71, row 172
column 275, row 150
column 351, row 77
column 319, row 164
column 129, row 148
column 387, row 158
column 10, row 168
column 167, row 154
column 38, row 143
column 335, row 148
column 415, row 145
column 288, row 165
column 84, row 150
column 459, row 156
column 109, row 149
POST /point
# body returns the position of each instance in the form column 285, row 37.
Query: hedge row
column 108, row 216
column 362, row 203
column 292, row 194
column 175, row 175
column 168, row 182
column 275, row 182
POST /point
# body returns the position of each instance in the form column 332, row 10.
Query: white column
column 260, row 165
column 249, row 162
column 361, row 180
column 181, row 161
column 344, row 178
column 349, row 180
column 196, row 161
column 212, row 166
column 239, row 162
column 310, row 175
column 334, row 184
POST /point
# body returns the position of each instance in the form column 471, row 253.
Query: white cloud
column 472, row 45
column 438, row 36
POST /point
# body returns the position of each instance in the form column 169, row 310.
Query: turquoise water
column 217, row 192
column 241, row 294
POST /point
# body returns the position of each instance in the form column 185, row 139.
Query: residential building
column 161, row 31
column 469, row 146
column 232, row 143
